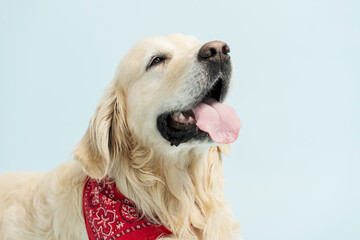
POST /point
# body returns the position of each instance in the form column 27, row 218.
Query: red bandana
column 109, row 215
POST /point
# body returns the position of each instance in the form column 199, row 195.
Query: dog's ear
column 107, row 137
column 225, row 149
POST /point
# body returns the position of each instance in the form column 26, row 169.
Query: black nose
column 215, row 51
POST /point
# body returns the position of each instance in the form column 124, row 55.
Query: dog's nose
column 215, row 51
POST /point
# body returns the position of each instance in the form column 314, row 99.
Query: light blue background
column 293, row 173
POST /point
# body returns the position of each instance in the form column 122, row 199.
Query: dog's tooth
column 191, row 120
column 180, row 117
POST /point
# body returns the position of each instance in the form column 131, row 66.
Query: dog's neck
column 184, row 192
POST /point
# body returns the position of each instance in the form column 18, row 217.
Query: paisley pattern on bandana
column 109, row 215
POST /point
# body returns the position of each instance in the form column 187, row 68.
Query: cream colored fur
column 180, row 187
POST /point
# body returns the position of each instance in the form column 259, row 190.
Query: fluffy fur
column 179, row 187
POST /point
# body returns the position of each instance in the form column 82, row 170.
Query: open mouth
column 182, row 119
column 207, row 119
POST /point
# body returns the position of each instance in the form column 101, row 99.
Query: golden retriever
column 158, row 133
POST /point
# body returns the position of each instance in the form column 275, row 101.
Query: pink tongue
column 218, row 120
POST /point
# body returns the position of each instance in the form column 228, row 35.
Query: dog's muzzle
column 182, row 125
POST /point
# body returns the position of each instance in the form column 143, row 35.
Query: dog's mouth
column 208, row 118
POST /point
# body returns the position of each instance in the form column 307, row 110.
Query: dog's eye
column 155, row 61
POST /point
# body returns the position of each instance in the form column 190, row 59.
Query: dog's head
column 167, row 94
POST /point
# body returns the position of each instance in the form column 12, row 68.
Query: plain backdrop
column 294, row 171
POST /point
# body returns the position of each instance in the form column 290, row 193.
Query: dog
column 150, row 159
